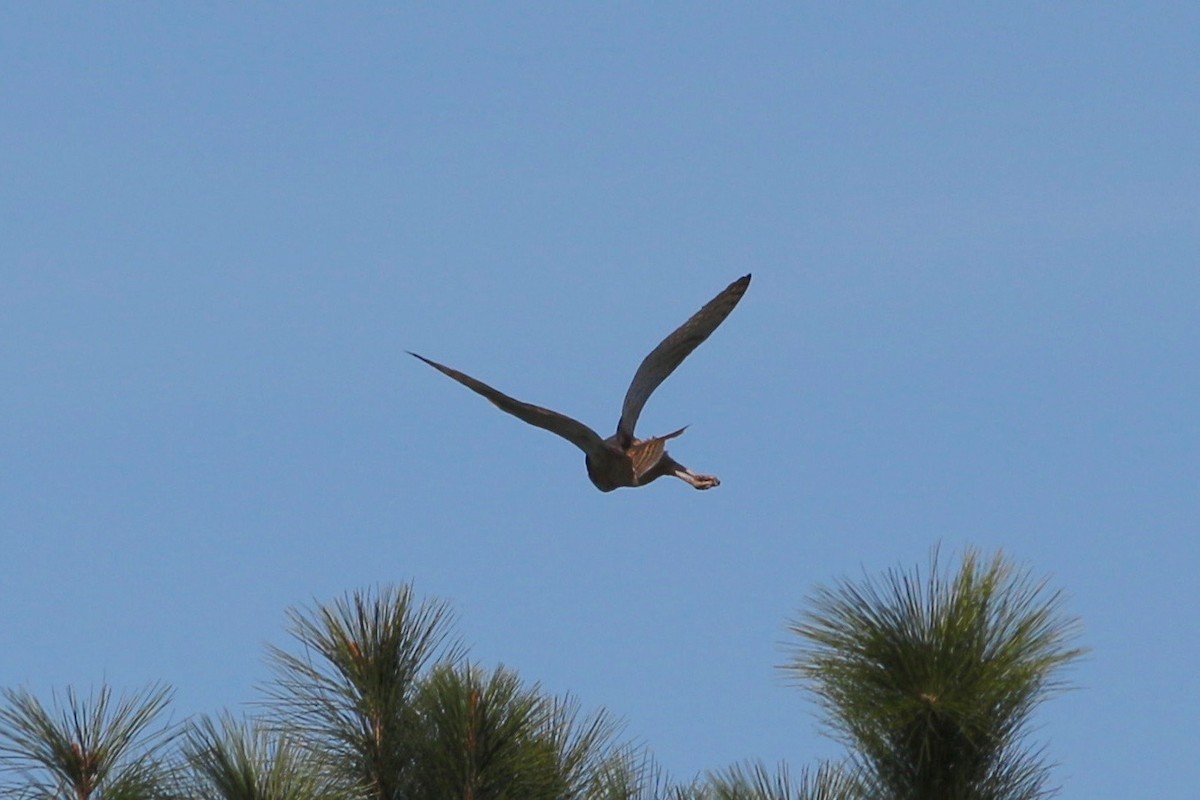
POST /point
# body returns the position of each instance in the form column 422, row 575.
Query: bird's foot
column 701, row 481
column 694, row 479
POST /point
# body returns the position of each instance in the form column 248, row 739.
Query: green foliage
column 348, row 696
column 489, row 737
column 87, row 747
column 590, row 760
column 931, row 681
column 231, row 760
column 379, row 694
column 630, row 774
column 755, row 782
column 485, row 738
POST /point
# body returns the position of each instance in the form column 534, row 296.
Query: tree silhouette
column 381, row 693
column 233, row 760
column 348, row 695
column 931, row 680
column 85, row 748
column 755, row 782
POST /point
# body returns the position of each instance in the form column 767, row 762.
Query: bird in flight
column 622, row 459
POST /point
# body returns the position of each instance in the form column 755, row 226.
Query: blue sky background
column 973, row 321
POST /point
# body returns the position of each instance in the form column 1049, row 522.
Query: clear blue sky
column 974, row 320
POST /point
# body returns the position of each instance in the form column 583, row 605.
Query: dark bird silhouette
column 622, row 459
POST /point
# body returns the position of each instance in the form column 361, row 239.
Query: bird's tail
column 646, row 453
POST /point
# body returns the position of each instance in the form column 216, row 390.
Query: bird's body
column 622, row 460
column 644, row 460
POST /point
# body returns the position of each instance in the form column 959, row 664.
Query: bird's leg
column 673, row 467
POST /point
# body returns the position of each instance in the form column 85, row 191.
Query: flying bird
column 622, row 459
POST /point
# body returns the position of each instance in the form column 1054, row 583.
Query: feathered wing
column 671, row 352
column 572, row 430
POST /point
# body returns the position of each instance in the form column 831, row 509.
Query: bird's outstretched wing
column 671, row 352
column 572, row 430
